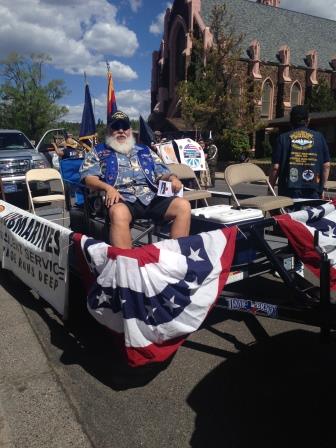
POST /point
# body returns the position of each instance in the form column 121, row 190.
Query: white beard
column 123, row 148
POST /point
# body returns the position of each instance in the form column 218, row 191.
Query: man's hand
column 176, row 184
column 112, row 196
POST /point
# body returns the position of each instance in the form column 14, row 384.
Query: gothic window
column 235, row 88
column 177, row 59
column 267, row 99
column 296, row 94
column 179, row 55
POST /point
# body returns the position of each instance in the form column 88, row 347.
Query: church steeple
column 275, row 3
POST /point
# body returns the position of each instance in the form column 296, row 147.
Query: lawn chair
column 69, row 169
column 247, row 173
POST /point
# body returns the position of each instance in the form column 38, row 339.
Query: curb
column 34, row 409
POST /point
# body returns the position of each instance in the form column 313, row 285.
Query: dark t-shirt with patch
column 301, row 154
column 69, row 153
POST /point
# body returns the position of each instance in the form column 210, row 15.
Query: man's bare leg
column 120, row 220
column 179, row 211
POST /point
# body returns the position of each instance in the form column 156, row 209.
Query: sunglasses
column 120, row 125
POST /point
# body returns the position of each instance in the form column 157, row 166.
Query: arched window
column 296, row 94
column 267, row 99
column 235, row 88
column 177, row 59
column 179, row 55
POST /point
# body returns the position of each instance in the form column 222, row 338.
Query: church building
column 285, row 52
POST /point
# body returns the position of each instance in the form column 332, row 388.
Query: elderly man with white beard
column 129, row 174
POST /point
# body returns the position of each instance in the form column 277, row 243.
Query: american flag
column 299, row 227
column 155, row 295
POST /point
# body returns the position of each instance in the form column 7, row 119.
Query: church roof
column 274, row 27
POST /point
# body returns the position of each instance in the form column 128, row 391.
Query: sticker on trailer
column 253, row 307
column 236, row 276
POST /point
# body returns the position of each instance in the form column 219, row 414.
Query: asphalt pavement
column 238, row 382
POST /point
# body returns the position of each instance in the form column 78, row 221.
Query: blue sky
column 80, row 35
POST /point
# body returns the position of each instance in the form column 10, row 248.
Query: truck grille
column 14, row 167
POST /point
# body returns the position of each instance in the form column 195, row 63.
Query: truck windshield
column 11, row 140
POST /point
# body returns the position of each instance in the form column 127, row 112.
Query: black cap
column 121, row 118
column 299, row 114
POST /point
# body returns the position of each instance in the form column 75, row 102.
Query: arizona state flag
column 111, row 100
column 87, row 133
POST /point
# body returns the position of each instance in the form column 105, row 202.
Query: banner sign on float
column 36, row 251
column 167, row 153
column 191, row 154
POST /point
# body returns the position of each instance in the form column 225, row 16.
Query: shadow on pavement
column 279, row 392
column 81, row 339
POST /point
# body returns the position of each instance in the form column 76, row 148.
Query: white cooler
column 226, row 214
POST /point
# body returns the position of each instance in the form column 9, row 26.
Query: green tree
column 218, row 95
column 101, row 130
column 27, row 102
column 322, row 98
column 70, row 127
column 135, row 125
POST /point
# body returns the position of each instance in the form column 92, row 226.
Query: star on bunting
column 315, row 212
column 150, row 312
column 194, row 255
column 103, row 298
column 330, row 232
column 171, row 304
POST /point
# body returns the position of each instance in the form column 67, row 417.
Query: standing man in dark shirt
column 301, row 159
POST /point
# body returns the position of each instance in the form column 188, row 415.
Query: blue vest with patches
column 110, row 167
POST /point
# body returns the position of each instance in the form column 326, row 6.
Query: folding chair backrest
column 43, row 175
column 244, row 172
column 248, row 172
column 69, row 169
column 182, row 171
column 193, row 191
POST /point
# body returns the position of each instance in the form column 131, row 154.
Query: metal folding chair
column 45, row 175
column 185, row 173
column 247, row 173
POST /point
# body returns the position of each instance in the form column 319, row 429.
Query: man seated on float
column 129, row 175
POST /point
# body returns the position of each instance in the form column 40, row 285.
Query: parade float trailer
column 156, row 294
column 174, row 284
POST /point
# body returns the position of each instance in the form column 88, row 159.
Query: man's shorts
column 155, row 210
